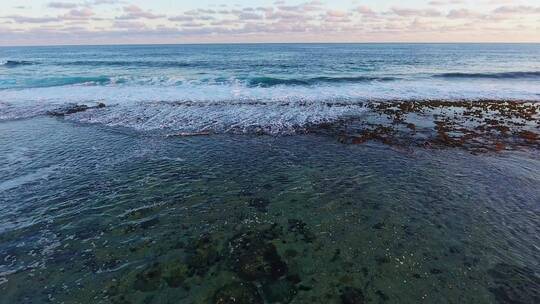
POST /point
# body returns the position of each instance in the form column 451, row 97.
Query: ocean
column 270, row 173
column 142, row 81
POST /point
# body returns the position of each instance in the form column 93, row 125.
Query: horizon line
column 256, row 43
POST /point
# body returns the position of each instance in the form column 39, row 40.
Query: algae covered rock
column 352, row 296
column 149, row 279
column 255, row 258
column 201, row 255
column 237, row 293
column 175, row 274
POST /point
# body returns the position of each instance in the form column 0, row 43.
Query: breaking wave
column 502, row 75
column 269, row 81
column 14, row 63
column 246, row 117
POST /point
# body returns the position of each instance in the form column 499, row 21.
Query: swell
column 121, row 63
column 15, row 63
column 502, row 75
column 271, row 81
column 64, row 81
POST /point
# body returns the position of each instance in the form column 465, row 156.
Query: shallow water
column 90, row 214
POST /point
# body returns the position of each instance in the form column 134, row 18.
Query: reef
column 73, row 108
column 478, row 126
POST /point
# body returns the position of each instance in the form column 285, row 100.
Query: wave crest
column 14, row 63
column 502, row 75
column 270, row 81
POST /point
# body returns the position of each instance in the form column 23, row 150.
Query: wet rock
column 282, row 291
column 237, row 293
column 175, row 274
column 201, row 255
column 260, row 204
column 382, row 295
column 378, row 226
column 255, row 258
column 299, row 227
column 529, row 136
column 73, row 108
column 149, row 279
column 435, row 271
column 291, row 253
column 352, row 296
column 382, row 260
column 514, row 284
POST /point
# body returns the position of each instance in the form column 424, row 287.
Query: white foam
column 223, row 117
column 235, row 107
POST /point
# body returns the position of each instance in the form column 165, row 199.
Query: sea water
column 102, row 207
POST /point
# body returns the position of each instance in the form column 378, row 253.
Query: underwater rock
column 201, row 255
column 149, row 279
column 378, row 226
column 352, row 296
column 299, row 227
column 282, row 291
column 382, row 295
column 237, row 293
column 259, row 204
column 73, row 108
column 529, row 136
column 175, row 274
column 255, row 258
column 514, row 284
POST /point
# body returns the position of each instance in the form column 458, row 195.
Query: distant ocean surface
column 277, row 86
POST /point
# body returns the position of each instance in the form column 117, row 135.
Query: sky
column 58, row 22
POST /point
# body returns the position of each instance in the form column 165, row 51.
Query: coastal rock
column 149, row 279
column 201, row 255
column 73, row 108
column 260, row 204
column 282, row 291
column 255, row 258
column 175, row 274
column 236, row 293
column 299, row 227
column 352, row 296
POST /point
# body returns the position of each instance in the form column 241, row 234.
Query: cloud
column 249, row 16
column 463, row 14
column 62, row 5
column 24, row 19
column 134, row 12
column 443, row 3
column 182, row 18
column 409, row 12
column 365, row 10
column 443, row 19
column 522, row 9
column 78, row 14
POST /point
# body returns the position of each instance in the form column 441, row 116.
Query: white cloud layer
column 117, row 21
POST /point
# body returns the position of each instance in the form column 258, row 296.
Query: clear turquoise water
column 90, row 214
column 101, row 207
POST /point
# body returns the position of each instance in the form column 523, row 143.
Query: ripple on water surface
column 129, row 218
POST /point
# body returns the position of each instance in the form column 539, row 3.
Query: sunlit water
column 90, row 214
